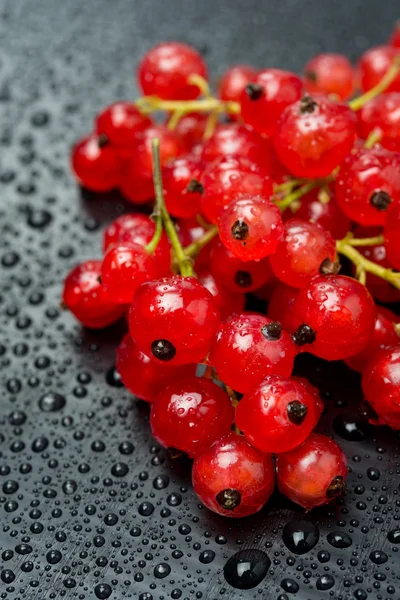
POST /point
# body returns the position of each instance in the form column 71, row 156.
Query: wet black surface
column 90, row 507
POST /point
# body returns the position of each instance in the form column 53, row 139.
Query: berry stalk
column 296, row 194
column 150, row 104
column 372, row 241
column 384, row 83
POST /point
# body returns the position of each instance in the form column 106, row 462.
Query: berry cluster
column 264, row 202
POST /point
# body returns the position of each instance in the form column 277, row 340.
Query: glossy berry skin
column 189, row 231
column 329, row 73
column 236, row 275
column 368, row 182
column 328, row 214
column 251, row 227
column 392, row 236
column 230, row 178
column 248, row 348
column 232, row 478
column 88, row 300
column 137, row 177
column 228, row 302
column 234, row 80
column 145, row 377
column 124, row 268
column 395, row 37
column 341, row 313
column 280, row 306
column 174, row 320
column 383, row 336
column 165, row 69
column 265, row 98
column 191, row 128
column 382, row 114
column 314, row 135
column 96, row 166
column 278, row 414
column 190, row 414
column 304, row 250
column 239, row 141
column 373, row 65
column 120, row 122
column 182, row 189
column 312, row 474
column 380, row 384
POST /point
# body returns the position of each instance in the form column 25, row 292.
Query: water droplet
column 246, row 569
column 300, row 536
column 339, row 539
column 102, row 591
column 325, row 582
column 394, row 536
column 162, row 570
column 352, row 427
column 207, row 556
column 52, row 402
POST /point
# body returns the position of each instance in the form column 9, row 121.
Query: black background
column 60, row 62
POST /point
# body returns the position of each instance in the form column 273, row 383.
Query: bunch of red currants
column 256, row 190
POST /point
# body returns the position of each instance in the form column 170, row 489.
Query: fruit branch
column 371, row 241
column 296, row 194
column 194, row 248
column 380, row 87
column 149, row 104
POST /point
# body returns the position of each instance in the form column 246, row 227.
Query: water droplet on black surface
column 162, row 570
column 300, row 536
column 207, row 556
column 352, row 427
column 53, row 557
column 325, row 582
column 394, row 536
column 52, row 402
column 290, row 586
column 102, row 591
column 339, row 539
column 113, row 378
column 246, row 569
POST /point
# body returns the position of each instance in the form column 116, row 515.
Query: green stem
column 372, row 241
column 363, row 265
column 149, row 104
column 287, row 186
column 304, row 189
column 383, row 84
column 153, row 243
column 194, row 248
column 373, row 138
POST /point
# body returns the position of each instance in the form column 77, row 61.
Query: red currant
column 175, row 320
column 266, row 96
column 248, row 348
column 190, row 231
column 182, row 188
column 165, row 69
column 392, row 236
column 312, row 474
column 240, row 141
column 314, row 135
column 395, row 37
column 326, row 214
column 382, row 114
column 96, row 164
column 373, row 65
column 227, row 301
column 232, row 478
column 305, row 250
column 280, row 306
column 233, row 82
column 329, row 74
column 120, row 122
column 380, row 384
column 191, row 128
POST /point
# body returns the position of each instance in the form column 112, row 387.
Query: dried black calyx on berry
column 254, row 91
column 240, row 230
column 329, row 267
column 195, row 186
column 296, row 412
column 163, row 350
column 307, row 105
column 102, row 140
column 335, row 487
column 229, row 499
column 272, row 331
column 303, row 335
column 243, row 279
column 311, row 76
column 380, row 200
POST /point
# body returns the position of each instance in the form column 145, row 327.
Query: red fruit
column 382, row 114
column 392, row 236
column 389, row 314
column 383, row 336
column 381, row 385
column 137, row 178
column 145, row 377
column 228, row 179
column 329, row 73
column 182, row 189
column 251, row 227
column 266, row 97
column 248, row 348
column 314, row 135
column 236, row 275
column 335, row 315
column 305, row 250
column 233, row 82
column 165, row 69
column 190, row 231
column 395, row 37
column 96, row 164
column 88, row 300
column 278, row 414
column 328, row 214
column 174, row 320
column 226, row 301
column 191, row 128
column 314, row 473
column 120, row 122
column 190, row 414
column 373, row 65
column 240, row 141
column 232, row 478
column 280, row 306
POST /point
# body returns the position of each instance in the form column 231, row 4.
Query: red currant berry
column 175, row 320
column 373, row 65
column 190, row 231
column 278, row 414
column 392, row 236
column 240, row 141
column 236, row 275
column 120, row 122
column 266, row 96
column 336, row 315
column 280, row 306
column 380, row 384
column 368, row 182
column 395, row 37
column 326, row 214
column 312, row 474
column 314, row 135
column 96, row 164
column 88, row 300
column 145, row 377
column 250, row 347
column 191, row 128
column 233, row 82
column 251, row 227
column 305, row 250
column 190, row 414
column 165, row 69
column 228, row 179
column 227, row 301
column 232, row 478
column 137, row 177
column 389, row 314
column 382, row 114
column 182, row 188
column 329, row 74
